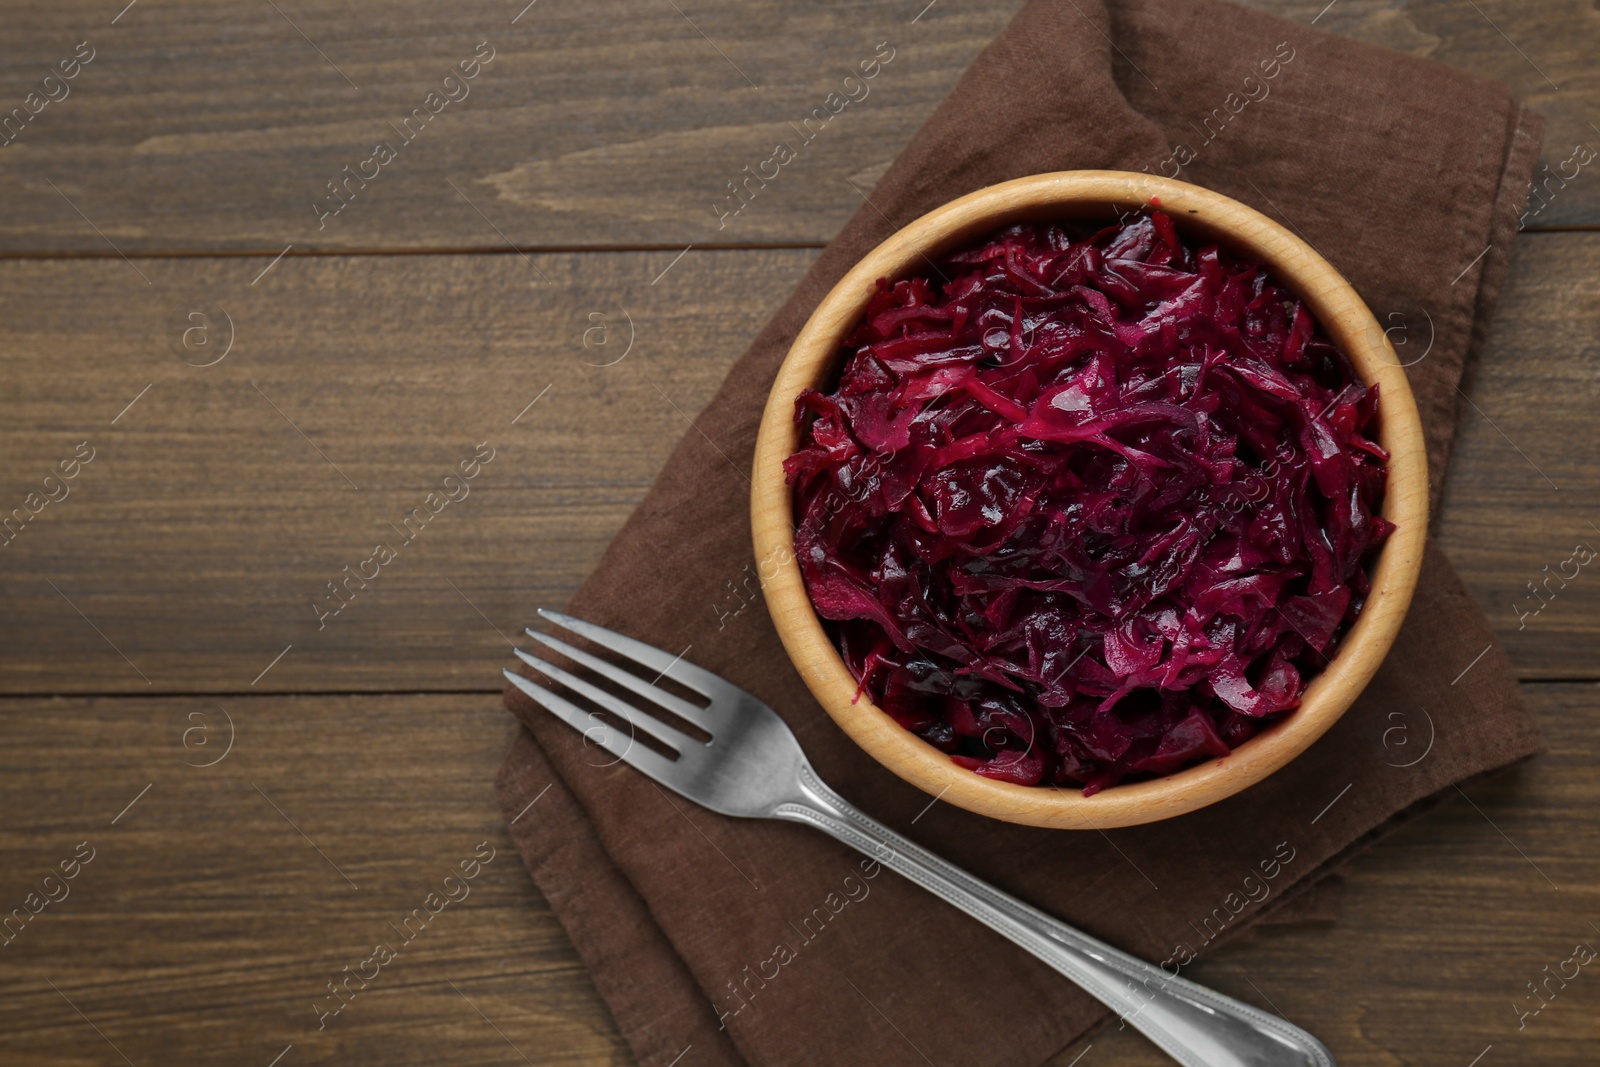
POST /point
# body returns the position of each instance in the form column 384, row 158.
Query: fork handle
column 1194, row 1025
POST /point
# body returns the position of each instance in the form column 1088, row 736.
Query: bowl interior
column 1199, row 213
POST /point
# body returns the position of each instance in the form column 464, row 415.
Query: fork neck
column 815, row 804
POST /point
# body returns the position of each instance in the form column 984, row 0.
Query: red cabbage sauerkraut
column 1088, row 508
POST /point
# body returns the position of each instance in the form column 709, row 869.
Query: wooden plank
column 205, row 927
column 1443, row 925
column 197, row 540
column 210, row 125
column 228, row 484
column 201, row 125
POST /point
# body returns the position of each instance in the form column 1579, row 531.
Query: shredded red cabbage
column 1088, row 508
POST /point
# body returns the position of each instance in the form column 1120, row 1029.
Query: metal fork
column 753, row 767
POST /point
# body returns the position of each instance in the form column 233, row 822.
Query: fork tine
column 701, row 681
column 701, row 717
column 594, row 729
column 635, row 717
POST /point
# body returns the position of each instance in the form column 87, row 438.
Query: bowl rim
column 1343, row 315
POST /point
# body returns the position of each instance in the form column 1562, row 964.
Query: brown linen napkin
column 762, row 943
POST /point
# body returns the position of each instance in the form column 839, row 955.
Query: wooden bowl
column 1093, row 195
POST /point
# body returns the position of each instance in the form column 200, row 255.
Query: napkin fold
column 737, row 942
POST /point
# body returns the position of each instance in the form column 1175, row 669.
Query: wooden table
column 264, row 389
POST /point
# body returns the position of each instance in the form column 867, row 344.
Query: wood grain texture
column 202, row 125
column 189, row 551
column 205, row 927
column 199, row 538
column 217, row 125
column 228, row 483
